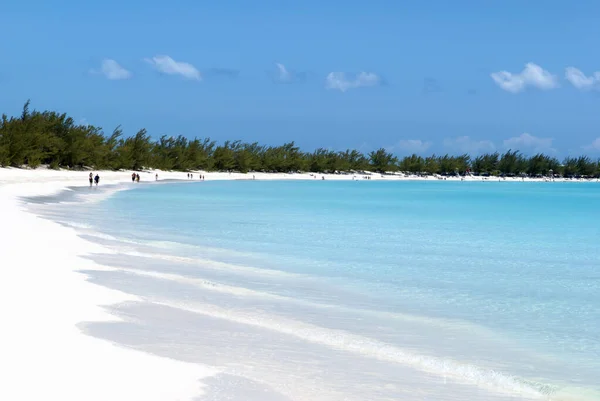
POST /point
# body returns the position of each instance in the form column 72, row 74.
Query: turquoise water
column 360, row 290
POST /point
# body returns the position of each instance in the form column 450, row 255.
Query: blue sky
column 409, row 76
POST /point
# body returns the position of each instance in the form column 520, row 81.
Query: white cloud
column 112, row 70
column 529, row 142
column 464, row 144
column 532, row 76
column 411, row 146
column 578, row 79
column 338, row 81
column 167, row 65
column 594, row 146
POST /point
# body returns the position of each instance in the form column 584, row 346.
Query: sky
column 433, row 76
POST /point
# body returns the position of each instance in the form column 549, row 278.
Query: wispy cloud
column 112, row 70
column 167, row 65
column 284, row 75
column 580, row 81
column 464, row 144
column 338, row 81
column 528, row 142
column 532, row 76
column 409, row 146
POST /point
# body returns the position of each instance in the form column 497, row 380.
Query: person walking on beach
column 132, row 177
column 137, row 177
column 91, row 179
column 156, row 177
column 97, row 179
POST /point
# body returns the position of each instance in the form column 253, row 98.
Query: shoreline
column 44, row 300
column 64, row 178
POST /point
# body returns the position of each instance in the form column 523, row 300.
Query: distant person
column 137, row 177
column 132, row 177
column 156, row 177
column 91, row 179
column 191, row 176
column 97, row 179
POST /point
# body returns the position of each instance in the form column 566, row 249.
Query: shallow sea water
column 355, row 290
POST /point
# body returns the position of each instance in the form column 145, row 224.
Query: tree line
column 50, row 138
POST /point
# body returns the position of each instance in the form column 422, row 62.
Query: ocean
column 354, row 290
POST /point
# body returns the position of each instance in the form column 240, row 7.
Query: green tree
column 224, row 159
column 135, row 151
column 54, row 139
column 383, row 161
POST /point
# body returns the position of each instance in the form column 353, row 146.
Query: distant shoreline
column 64, row 178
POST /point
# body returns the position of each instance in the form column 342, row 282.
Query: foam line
column 341, row 340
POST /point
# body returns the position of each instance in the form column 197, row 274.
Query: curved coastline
column 45, row 298
column 68, row 299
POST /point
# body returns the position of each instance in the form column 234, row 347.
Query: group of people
column 191, row 176
column 135, row 177
column 93, row 179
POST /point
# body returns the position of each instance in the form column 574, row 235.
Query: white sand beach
column 43, row 299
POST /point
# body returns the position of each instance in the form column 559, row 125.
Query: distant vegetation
column 49, row 138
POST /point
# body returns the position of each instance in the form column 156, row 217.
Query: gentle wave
column 367, row 347
column 86, row 230
column 241, row 291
